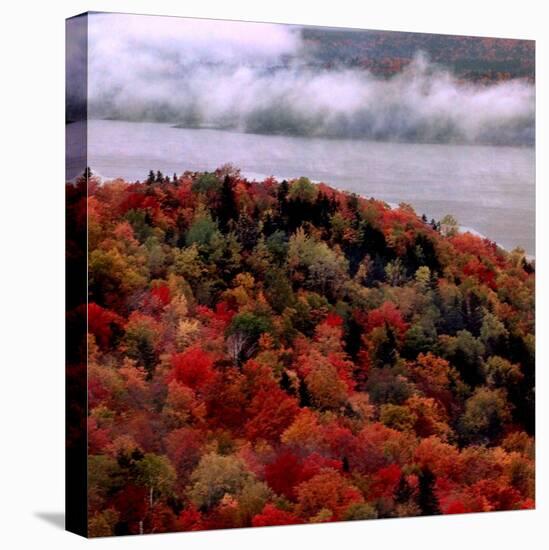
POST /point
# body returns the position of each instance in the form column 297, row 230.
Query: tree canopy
column 300, row 355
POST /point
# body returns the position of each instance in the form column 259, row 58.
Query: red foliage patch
column 271, row 515
column 193, row 367
column 190, row 519
column 102, row 322
column 288, row 471
column 161, row 293
column 387, row 313
column 333, row 320
column 270, row 412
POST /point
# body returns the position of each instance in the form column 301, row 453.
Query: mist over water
column 262, row 78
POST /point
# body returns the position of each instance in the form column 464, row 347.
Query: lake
column 488, row 189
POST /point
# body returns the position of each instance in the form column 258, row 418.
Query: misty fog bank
column 259, row 78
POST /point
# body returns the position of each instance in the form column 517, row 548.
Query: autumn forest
column 281, row 352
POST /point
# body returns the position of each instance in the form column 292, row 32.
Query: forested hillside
column 267, row 353
column 385, row 53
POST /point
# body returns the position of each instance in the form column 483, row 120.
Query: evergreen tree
column 282, row 193
column 286, row 383
column 322, row 211
column 403, row 491
column 472, row 313
column 304, row 397
column 386, row 353
column 282, row 197
column 353, row 206
column 228, row 209
column 426, row 499
column 247, row 232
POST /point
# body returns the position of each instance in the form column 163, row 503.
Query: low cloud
column 255, row 77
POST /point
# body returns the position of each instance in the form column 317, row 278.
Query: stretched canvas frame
column 289, row 336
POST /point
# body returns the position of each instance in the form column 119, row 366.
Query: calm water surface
column 488, row 189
